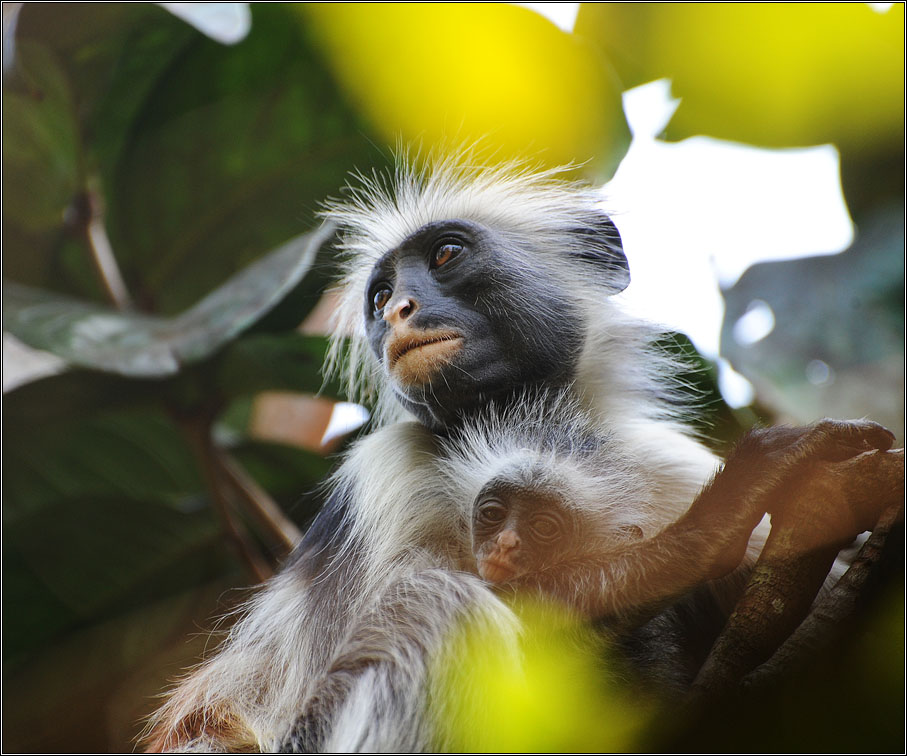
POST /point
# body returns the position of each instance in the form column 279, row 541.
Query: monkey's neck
column 444, row 421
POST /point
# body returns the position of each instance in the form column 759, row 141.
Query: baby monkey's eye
column 445, row 251
column 381, row 297
column 491, row 512
column 545, row 528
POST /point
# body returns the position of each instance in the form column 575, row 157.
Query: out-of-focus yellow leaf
column 450, row 73
column 552, row 694
column 775, row 74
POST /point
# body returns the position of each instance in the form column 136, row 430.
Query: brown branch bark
column 199, row 436
column 831, row 613
column 818, row 513
column 257, row 501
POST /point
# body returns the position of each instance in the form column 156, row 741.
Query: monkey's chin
column 495, row 572
column 420, row 362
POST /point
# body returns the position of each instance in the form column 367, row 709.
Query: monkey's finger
column 838, row 440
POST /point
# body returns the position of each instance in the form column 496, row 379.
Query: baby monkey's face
column 517, row 530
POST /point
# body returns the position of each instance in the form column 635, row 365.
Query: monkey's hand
column 760, row 471
column 785, row 450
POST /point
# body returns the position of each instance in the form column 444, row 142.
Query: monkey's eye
column 381, row 297
column 545, row 527
column 491, row 513
column 444, row 251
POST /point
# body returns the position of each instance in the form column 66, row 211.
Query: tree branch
column 821, row 512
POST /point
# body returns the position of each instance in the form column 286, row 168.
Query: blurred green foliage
column 449, row 73
column 205, row 164
column 768, row 74
column 559, row 692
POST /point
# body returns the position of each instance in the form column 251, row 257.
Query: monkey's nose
column 400, row 309
column 508, row 539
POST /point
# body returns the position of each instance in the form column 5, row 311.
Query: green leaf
column 525, row 89
column 290, row 474
column 230, row 152
column 272, row 362
column 73, row 545
column 41, row 149
column 78, row 393
column 139, row 345
column 772, row 74
column 137, row 454
column 113, row 55
column 84, row 559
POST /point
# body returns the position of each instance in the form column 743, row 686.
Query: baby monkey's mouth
column 442, row 345
column 496, row 572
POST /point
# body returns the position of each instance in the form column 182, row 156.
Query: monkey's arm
column 373, row 696
column 710, row 540
column 237, row 699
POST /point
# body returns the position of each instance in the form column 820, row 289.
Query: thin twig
column 85, row 218
column 257, row 501
column 199, row 435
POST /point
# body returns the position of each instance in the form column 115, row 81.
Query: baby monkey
column 519, row 529
column 564, row 511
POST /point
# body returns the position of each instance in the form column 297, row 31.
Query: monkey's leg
column 818, row 513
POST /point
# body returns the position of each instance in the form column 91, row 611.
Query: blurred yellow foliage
column 773, row 74
column 451, row 73
column 555, row 693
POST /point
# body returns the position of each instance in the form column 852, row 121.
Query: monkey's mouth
column 423, row 350
column 496, row 572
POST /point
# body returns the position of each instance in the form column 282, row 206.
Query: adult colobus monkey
column 463, row 285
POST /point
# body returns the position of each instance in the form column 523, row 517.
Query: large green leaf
column 135, row 454
column 100, row 513
column 79, row 73
column 206, row 154
column 41, row 148
column 230, row 153
column 140, row 345
column 272, row 362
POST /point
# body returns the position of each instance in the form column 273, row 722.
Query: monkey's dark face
column 516, row 531
column 456, row 318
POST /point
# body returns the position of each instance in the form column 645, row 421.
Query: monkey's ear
column 600, row 244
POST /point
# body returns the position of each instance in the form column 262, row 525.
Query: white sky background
column 695, row 214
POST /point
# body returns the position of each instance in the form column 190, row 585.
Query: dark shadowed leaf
column 77, row 393
column 41, row 149
column 273, row 362
column 230, row 153
column 128, row 455
column 82, row 559
column 139, row 345
column 291, row 475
